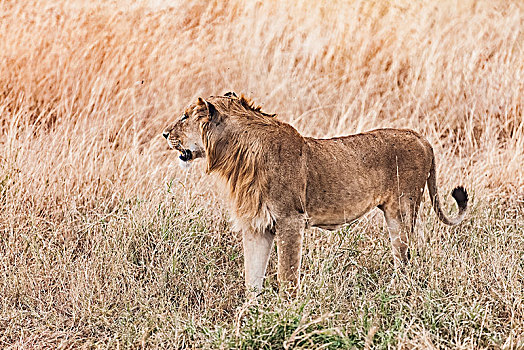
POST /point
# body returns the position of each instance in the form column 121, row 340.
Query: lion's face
column 185, row 134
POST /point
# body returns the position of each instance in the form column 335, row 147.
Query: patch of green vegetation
column 283, row 325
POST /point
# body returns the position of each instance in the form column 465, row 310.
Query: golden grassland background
column 105, row 242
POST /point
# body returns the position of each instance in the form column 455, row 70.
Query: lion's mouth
column 186, row 155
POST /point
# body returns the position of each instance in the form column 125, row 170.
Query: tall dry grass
column 105, row 243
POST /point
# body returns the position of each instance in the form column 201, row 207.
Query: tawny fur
column 280, row 182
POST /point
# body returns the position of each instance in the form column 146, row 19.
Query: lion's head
column 204, row 121
column 185, row 135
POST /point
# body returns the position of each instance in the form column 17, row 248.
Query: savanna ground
column 106, row 243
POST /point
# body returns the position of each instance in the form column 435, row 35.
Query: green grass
column 175, row 280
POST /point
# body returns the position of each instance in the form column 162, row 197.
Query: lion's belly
column 335, row 212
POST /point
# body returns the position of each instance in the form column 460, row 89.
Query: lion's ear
column 211, row 110
column 230, row 94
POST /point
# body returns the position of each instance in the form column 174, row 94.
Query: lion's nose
column 165, row 134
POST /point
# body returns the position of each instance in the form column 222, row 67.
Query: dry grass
column 105, row 243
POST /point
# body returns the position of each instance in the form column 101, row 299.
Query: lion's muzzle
column 185, row 154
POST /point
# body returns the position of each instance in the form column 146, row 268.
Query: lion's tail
column 459, row 193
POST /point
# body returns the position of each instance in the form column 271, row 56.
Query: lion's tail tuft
column 461, row 196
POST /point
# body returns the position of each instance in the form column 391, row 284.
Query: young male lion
column 281, row 182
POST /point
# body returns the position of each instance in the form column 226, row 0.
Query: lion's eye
column 184, row 117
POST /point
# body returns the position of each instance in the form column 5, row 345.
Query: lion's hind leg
column 397, row 235
column 401, row 216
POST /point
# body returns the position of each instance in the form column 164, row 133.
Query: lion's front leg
column 289, row 236
column 257, row 247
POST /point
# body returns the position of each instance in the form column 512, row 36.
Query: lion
column 280, row 182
